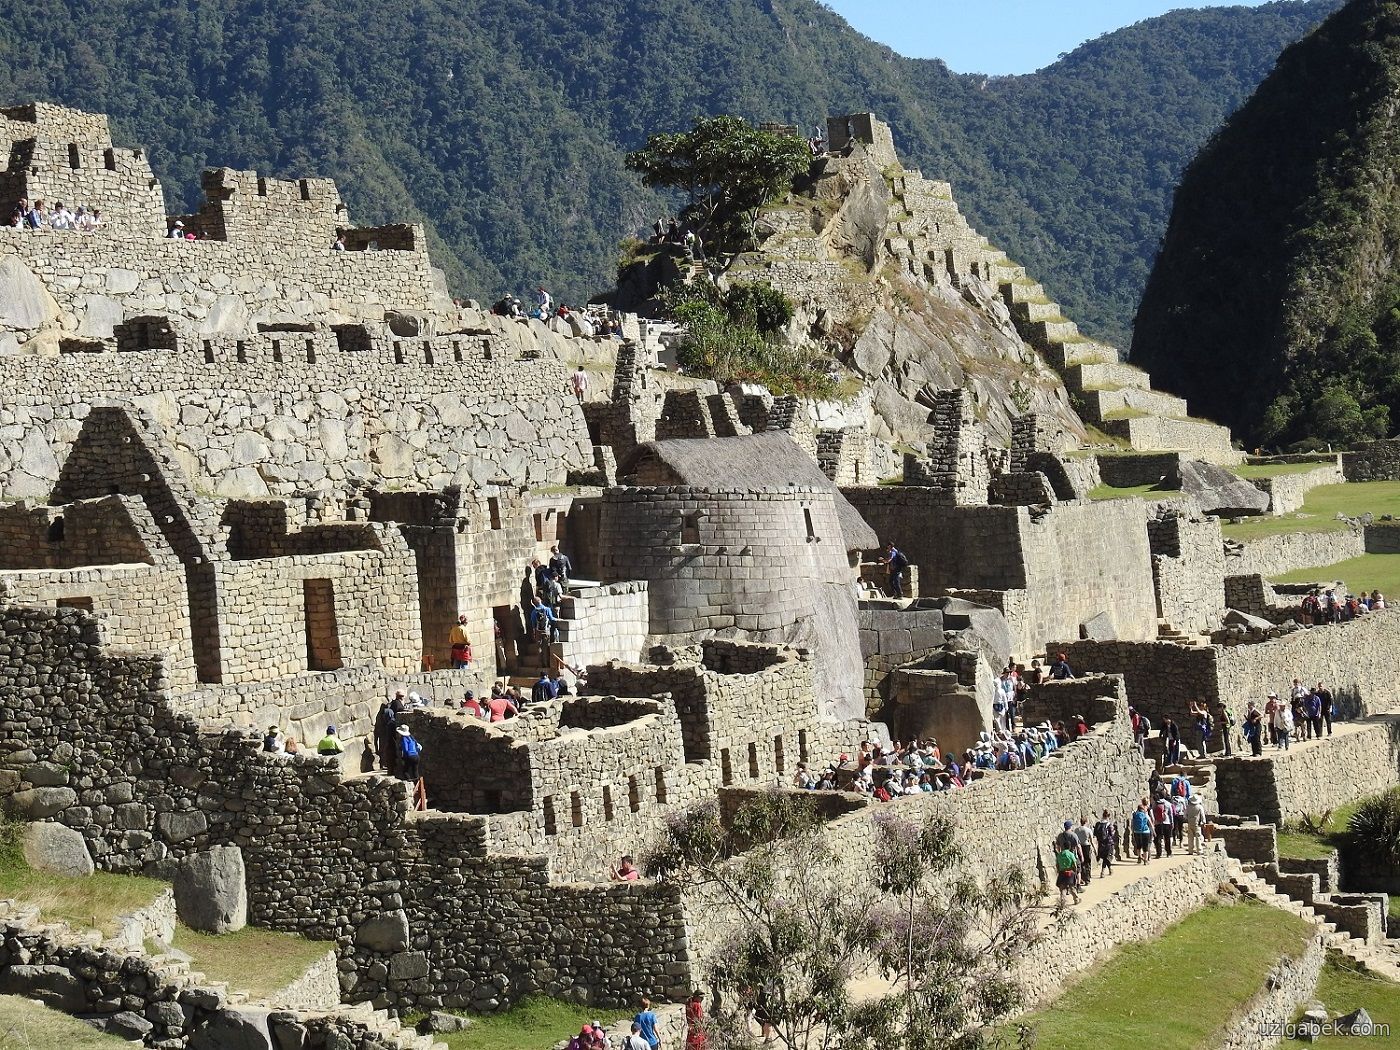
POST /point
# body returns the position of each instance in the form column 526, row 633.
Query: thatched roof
column 767, row 460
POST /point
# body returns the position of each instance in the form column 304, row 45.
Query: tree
column 729, row 171
column 930, row 948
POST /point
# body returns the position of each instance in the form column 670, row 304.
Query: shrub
column 1375, row 829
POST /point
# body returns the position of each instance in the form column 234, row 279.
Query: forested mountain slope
column 503, row 123
column 1275, row 304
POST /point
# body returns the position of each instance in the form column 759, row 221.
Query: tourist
column 410, row 751
column 1254, row 729
column 1203, row 724
column 645, row 1021
column 1178, row 818
column 339, row 244
column 62, row 218
column 557, row 683
column 273, row 743
column 1005, row 694
column 1195, row 816
column 1067, row 866
column 560, row 565
column 543, row 623
column 695, row 1021
column 502, row 707
column 1271, row 705
column 627, row 871
column 1162, row 825
column 1226, row 720
column 385, row 737
column 177, row 231
column 1312, row 710
column 1085, row 835
column 1141, row 824
column 580, row 383
column 1062, row 669
column 542, row 303
column 634, row 1039
column 94, row 220
column 1283, row 726
column 460, row 643
column 329, row 747
column 896, row 565
column 1106, row 840
column 1171, row 742
column 1325, row 696
column 543, row 690
column 472, row 706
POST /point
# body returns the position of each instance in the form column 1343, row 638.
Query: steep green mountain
column 1275, row 303
column 503, row 123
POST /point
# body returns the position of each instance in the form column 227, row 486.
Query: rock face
column 211, row 893
column 57, row 849
column 1220, row 492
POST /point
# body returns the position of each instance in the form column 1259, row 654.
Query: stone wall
column 1148, row 468
column 1275, row 555
column 1188, row 569
column 1291, row 984
column 891, row 638
column 1072, row 562
column 1287, row 491
column 1373, row 461
column 1283, row 786
column 768, row 565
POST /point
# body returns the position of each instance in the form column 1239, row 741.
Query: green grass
column 1371, row 572
column 1343, row 987
column 94, row 902
column 1305, row 845
column 1273, row 470
column 29, row 1025
column 1215, row 960
column 536, row 1023
column 1320, row 508
column 256, row 961
column 1143, row 491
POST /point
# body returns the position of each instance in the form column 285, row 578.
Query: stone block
column 211, row 893
column 1220, row 492
column 407, row 966
column 177, row 827
column 38, row 803
column 1098, row 629
column 234, row 1028
column 46, row 774
column 384, row 933
column 57, row 849
column 53, row 986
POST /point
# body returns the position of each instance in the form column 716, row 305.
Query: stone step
column 1099, row 404
column 1106, row 374
column 1043, row 334
column 1029, row 312
column 1013, row 292
column 1065, row 355
column 1003, row 273
column 1201, row 439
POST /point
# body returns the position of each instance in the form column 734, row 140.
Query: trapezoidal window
column 322, row 631
column 690, row 527
column 493, row 507
column 807, row 520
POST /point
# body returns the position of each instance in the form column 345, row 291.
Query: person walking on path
column 897, row 565
column 1254, row 729
column 1106, row 838
column 410, row 752
column 1162, row 825
column 1195, row 817
column 646, row 1022
column 1142, row 832
column 460, row 643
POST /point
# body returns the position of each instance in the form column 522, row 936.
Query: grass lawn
column 536, row 1023
column 1342, row 988
column 1369, row 572
column 259, row 962
column 1272, row 470
column 1304, row 845
column 29, row 1025
column 1215, row 960
column 1320, row 508
column 1144, row 491
column 93, row 902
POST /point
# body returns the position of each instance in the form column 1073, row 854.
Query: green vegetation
column 1374, row 572
column 1128, row 492
column 1320, row 509
column 736, row 336
column 28, row 1025
column 259, row 962
column 1293, row 208
column 728, row 171
column 1373, row 829
column 511, row 148
column 536, row 1023
column 1119, row 1004
column 1273, row 470
column 1322, row 837
column 1343, row 987
column 94, row 902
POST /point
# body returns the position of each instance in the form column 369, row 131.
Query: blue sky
column 997, row 36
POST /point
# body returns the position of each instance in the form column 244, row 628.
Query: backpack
column 1179, row 787
column 409, row 747
column 1064, row 860
column 1162, row 813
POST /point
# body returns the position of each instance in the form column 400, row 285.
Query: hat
column 272, row 729
column 415, row 697
column 403, row 730
column 470, row 695
column 1069, row 824
column 330, row 729
column 1274, row 695
column 179, row 224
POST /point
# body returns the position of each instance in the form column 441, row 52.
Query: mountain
column 503, row 124
column 1275, row 303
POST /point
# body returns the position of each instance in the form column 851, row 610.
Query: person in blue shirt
column 898, row 565
column 543, row 689
column 1142, row 832
column 542, row 620
column 646, row 1024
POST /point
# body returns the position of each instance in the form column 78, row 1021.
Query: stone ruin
column 248, row 480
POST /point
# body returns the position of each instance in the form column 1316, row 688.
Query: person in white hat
column 177, row 232
column 410, row 751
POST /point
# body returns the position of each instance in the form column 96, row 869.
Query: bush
column 1375, row 829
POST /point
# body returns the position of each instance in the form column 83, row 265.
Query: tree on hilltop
column 729, row 171
column 899, row 953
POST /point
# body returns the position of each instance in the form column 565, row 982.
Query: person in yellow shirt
column 460, row 643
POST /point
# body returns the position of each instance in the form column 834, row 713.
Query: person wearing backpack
column 1162, row 825
column 410, row 752
column 1067, row 874
column 1106, row 840
column 1195, row 816
column 1178, row 818
column 1142, row 832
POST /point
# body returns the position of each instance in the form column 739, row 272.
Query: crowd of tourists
column 38, row 216
column 590, row 322
column 1325, row 606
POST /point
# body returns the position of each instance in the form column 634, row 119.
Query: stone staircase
column 1115, row 397
column 1381, row 958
